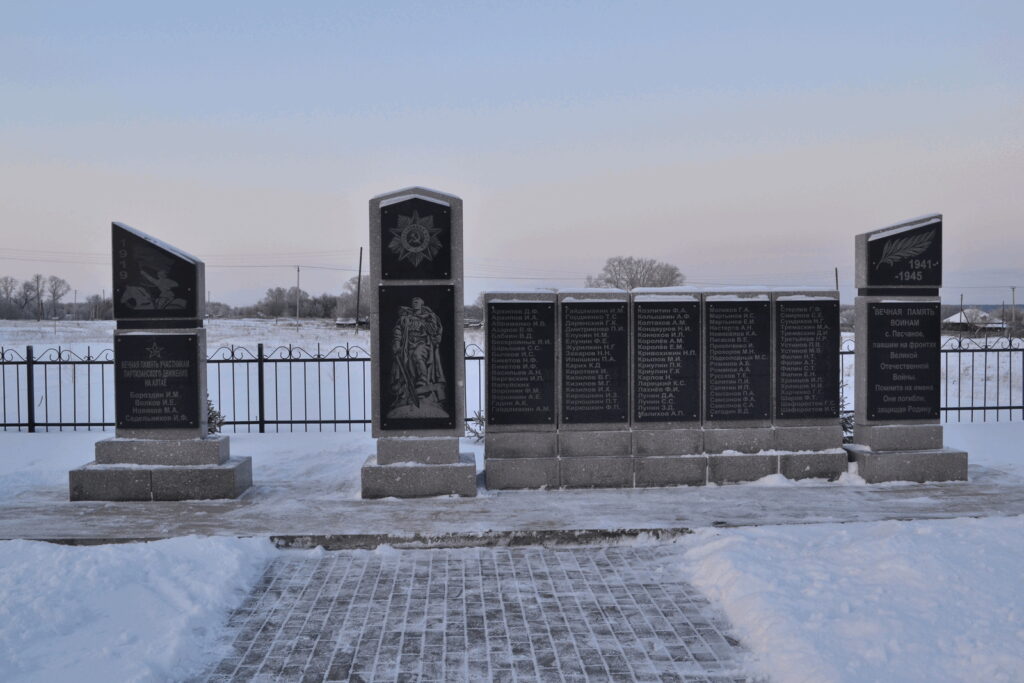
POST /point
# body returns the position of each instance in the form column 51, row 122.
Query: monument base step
column 443, row 450
column 596, row 472
column 521, row 473
column 213, row 450
column 672, row 470
column 937, row 464
column 418, row 480
column 96, row 481
column 829, row 464
column 731, row 468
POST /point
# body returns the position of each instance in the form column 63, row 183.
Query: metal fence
column 289, row 388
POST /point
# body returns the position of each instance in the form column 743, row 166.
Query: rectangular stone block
column 943, row 464
column 818, row 438
column 426, row 450
column 213, row 450
column 727, row 469
column 825, row 465
column 521, row 473
column 648, row 442
column 672, row 470
column 92, row 482
column 596, row 472
column 520, row 445
column 898, row 437
column 417, row 480
column 595, row 444
column 744, row 440
column 206, row 482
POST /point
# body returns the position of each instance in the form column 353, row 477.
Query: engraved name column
column 594, row 442
column 806, row 381
column 668, row 442
column 520, row 444
column 897, row 434
column 159, row 385
column 737, row 384
column 417, row 366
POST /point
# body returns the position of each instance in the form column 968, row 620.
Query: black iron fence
column 289, row 388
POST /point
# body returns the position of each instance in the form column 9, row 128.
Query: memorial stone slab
column 737, row 371
column 897, row 433
column 521, row 388
column 416, row 326
column 594, row 381
column 162, row 449
column 806, row 363
column 666, row 416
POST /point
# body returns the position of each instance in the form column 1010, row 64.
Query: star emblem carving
column 415, row 239
column 155, row 350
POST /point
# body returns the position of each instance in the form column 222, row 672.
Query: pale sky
column 746, row 143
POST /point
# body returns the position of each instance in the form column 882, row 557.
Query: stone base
column 212, row 450
column 434, row 450
column 521, row 473
column 672, row 470
column 940, row 464
column 417, row 480
column 726, row 469
column 134, row 483
column 647, row 442
column 606, row 443
column 596, row 472
column 829, row 465
column 808, row 438
column 898, row 437
column 520, row 445
column 744, row 440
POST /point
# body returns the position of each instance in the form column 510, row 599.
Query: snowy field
column 924, row 600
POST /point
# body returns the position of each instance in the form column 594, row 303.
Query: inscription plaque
column 806, row 359
column 666, row 361
column 156, row 381
column 910, row 257
column 520, row 363
column 417, row 357
column 738, row 367
column 904, row 367
column 416, row 240
column 595, row 369
column 151, row 280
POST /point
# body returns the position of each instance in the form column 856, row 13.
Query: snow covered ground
column 922, row 600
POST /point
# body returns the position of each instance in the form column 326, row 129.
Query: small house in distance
column 974, row 320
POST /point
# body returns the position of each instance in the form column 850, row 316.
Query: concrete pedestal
column 126, row 482
column 419, row 480
column 939, row 464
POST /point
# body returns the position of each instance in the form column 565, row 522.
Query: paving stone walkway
column 481, row 614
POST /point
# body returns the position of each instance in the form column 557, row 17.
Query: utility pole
column 75, row 309
column 359, row 285
column 837, row 278
column 298, row 288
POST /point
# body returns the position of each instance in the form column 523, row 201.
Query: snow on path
column 134, row 612
column 921, row 601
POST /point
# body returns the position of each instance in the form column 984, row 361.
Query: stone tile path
column 506, row 614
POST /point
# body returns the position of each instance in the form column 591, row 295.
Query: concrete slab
column 521, row 473
column 821, row 465
column 647, row 442
column 595, row 444
column 744, row 440
column 671, row 470
column 942, row 464
column 416, row 480
column 426, row 450
column 731, row 468
column 898, row 437
column 211, row 482
column 520, row 444
column 596, row 472
column 213, row 450
column 808, row 438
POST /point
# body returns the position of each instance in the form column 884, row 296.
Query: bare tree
column 628, row 272
column 38, row 284
column 8, row 285
column 25, row 296
column 57, row 288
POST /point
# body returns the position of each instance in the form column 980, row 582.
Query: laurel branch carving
column 907, row 247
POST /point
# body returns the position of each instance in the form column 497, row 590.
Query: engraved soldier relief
column 415, row 239
column 418, row 383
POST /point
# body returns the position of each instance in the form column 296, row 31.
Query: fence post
column 30, row 387
column 259, row 387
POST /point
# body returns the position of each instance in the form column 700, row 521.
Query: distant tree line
column 39, row 297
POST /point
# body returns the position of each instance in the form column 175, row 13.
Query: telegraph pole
column 359, row 285
column 298, row 288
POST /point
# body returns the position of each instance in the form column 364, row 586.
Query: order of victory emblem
column 415, row 239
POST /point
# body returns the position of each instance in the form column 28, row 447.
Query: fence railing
column 289, row 388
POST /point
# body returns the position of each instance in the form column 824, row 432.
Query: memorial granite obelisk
column 897, row 434
column 417, row 366
column 161, row 449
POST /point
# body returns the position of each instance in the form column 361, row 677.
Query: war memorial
column 585, row 388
